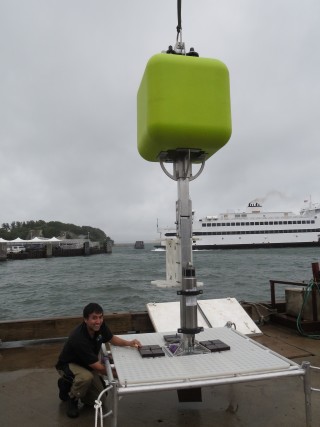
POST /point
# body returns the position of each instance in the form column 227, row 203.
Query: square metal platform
column 245, row 357
column 246, row 361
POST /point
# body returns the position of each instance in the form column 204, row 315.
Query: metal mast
column 182, row 173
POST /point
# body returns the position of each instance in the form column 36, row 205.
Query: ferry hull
column 256, row 245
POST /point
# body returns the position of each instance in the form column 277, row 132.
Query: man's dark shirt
column 83, row 349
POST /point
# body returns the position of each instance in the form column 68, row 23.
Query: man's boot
column 64, row 388
column 72, row 410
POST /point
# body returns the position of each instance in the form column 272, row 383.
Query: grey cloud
column 69, row 74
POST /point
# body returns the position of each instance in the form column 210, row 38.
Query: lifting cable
column 179, row 27
column 179, row 47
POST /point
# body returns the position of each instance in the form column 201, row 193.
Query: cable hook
column 179, row 46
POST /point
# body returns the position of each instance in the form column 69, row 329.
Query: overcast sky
column 69, row 75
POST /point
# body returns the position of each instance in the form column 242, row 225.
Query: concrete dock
column 29, row 397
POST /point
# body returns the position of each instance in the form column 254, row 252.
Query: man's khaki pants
column 86, row 385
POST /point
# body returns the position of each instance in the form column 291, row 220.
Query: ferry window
column 251, row 223
column 280, row 222
column 208, row 225
column 270, row 222
column 303, row 222
column 298, row 222
column 204, row 224
column 247, row 223
column 294, row 222
column 256, row 223
column 213, row 225
column 276, row 223
column 218, row 224
column 261, row 223
column 227, row 224
column 223, row 224
column 312, row 221
column 308, row 222
column 289, row 222
column 237, row 223
column 233, row 223
column 285, row 222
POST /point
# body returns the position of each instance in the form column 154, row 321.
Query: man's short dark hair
column 92, row 307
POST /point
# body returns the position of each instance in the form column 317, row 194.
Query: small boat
column 139, row 244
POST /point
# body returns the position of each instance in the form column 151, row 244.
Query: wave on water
column 121, row 281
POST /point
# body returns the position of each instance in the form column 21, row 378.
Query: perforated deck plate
column 244, row 358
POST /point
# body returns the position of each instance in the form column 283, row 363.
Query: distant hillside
column 29, row 229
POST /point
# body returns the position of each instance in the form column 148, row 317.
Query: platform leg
column 307, row 393
column 115, row 398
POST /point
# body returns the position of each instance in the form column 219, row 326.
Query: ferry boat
column 255, row 228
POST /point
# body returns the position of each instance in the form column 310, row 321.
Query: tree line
column 29, row 229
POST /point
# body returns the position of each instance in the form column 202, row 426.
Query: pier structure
column 3, row 251
column 49, row 249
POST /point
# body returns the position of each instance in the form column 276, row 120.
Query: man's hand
column 135, row 343
column 116, row 340
column 99, row 368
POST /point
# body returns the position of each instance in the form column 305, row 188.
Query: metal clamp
column 190, row 293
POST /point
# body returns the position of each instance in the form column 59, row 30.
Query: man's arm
column 115, row 340
column 99, row 368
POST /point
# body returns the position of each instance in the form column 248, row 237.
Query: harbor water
column 121, row 281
